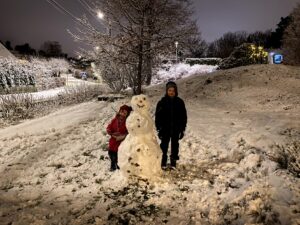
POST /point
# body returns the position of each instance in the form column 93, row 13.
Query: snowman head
column 140, row 103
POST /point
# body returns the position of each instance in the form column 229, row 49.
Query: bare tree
column 225, row 45
column 139, row 31
column 291, row 39
column 51, row 49
column 260, row 38
column 196, row 46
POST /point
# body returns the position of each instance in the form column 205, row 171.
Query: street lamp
column 176, row 45
column 101, row 16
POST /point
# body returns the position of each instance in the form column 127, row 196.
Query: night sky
column 36, row 21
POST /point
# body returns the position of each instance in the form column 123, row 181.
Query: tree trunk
column 140, row 69
column 140, row 59
column 148, row 66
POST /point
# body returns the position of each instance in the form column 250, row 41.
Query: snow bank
column 180, row 70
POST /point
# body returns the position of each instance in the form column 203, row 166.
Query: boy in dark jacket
column 170, row 122
column 118, row 131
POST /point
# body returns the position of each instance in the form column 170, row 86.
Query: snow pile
column 180, row 70
column 140, row 154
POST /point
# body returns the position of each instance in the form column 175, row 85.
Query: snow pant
column 113, row 159
column 174, row 149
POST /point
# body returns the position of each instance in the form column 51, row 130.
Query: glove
column 181, row 135
column 120, row 137
column 160, row 135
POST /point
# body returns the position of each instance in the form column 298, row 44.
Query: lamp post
column 176, row 45
column 108, row 28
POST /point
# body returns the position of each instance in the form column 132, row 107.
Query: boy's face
column 171, row 92
column 123, row 113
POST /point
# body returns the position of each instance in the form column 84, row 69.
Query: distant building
column 5, row 53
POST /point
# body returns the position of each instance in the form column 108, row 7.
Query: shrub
column 244, row 55
column 203, row 61
column 14, row 73
column 288, row 157
column 14, row 108
column 47, row 72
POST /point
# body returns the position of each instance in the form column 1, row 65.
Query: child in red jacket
column 118, row 131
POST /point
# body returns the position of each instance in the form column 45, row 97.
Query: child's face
column 123, row 113
column 171, row 92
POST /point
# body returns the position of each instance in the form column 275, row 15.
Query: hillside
column 239, row 159
column 265, row 87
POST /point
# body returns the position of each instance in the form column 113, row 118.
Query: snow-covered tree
column 138, row 31
column 225, row 45
column 291, row 39
column 15, row 73
column 45, row 69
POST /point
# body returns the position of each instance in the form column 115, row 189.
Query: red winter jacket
column 116, row 127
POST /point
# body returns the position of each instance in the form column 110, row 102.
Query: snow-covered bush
column 288, row 157
column 17, row 106
column 116, row 75
column 180, row 70
column 59, row 65
column 203, row 61
column 15, row 73
column 47, row 72
column 23, row 106
column 80, row 93
column 244, row 55
column 41, row 73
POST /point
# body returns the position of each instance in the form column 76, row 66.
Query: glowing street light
column 100, row 15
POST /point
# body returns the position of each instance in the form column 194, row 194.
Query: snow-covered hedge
column 14, row 73
column 17, row 107
column 41, row 73
column 203, row 61
column 47, row 72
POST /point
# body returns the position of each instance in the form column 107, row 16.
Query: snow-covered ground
column 55, row 169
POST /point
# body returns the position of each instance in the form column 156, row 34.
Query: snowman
column 139, row 153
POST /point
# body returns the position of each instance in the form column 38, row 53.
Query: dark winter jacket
column 170, row 116
column 117, row 127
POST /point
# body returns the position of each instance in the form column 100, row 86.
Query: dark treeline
column 225, row 45
column 48, row 49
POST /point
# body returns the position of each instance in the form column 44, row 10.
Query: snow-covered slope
column 55, row 169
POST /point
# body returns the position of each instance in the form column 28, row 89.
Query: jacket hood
column 173, row 85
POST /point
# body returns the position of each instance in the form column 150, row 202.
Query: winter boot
column 113, row 167
column 164, row 162
column 173, row 164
